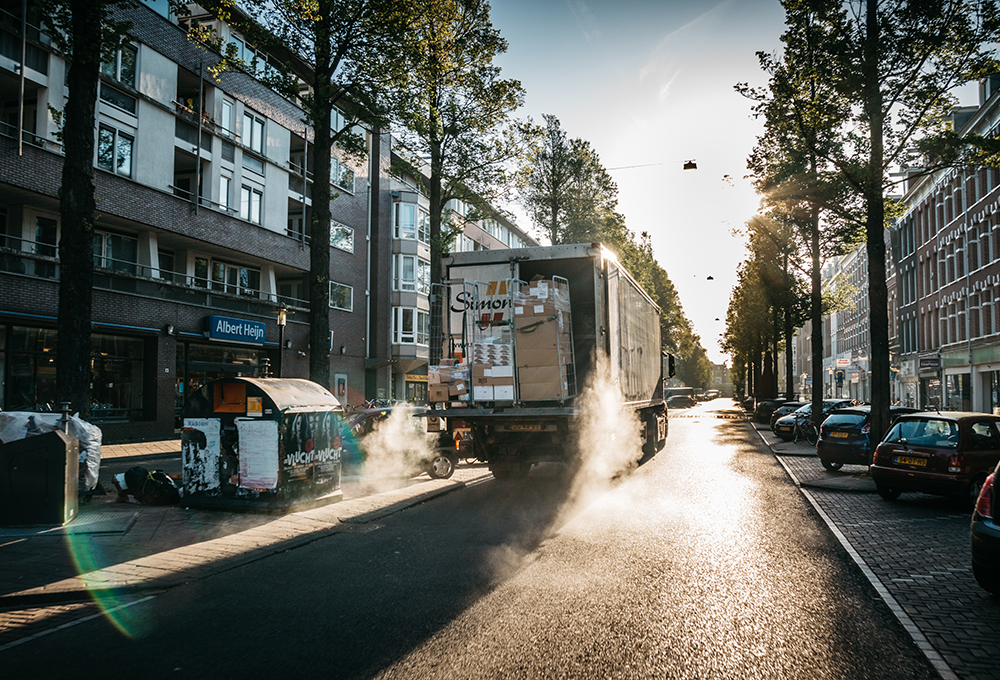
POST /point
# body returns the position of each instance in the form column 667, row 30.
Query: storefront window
column 930, row 393
column 116, row 377
column 32, row 369
column 959, row 391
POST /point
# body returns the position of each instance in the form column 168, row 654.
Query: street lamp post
column 282, row 319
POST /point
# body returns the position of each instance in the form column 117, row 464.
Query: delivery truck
column 523, row 331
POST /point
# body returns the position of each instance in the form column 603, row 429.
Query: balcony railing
column 20, row 256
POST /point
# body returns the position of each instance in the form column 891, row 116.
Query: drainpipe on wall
column 973, row 392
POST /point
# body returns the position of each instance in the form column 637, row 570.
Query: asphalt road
column 705, row 562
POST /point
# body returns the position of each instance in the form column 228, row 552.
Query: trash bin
column 261, row 444
column 38, row 480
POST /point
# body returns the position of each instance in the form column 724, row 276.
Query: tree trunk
column 76, row 208
column 438, row 340
column 878, row 296
column 816, row 312
column 775, row 339
column 319, row 227
column 789, row 365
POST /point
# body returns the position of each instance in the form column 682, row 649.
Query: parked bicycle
column 806, row 430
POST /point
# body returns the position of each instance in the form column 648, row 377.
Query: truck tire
column 442, row 466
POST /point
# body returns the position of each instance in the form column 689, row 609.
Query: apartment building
column 201, row 239
column 949, row 271
column 411, row 278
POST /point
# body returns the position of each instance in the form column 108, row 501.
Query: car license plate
column 839, row 435
column 784, row 428
column 907, row 460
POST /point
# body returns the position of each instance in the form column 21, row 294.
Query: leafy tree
column 338, row 49
column 457, row 114
column 802, row 116
column 890, row 66
column 566, row 190
column 88, row 32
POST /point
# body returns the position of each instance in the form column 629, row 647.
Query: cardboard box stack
column 448, row 381
column 544, row 338
column 492, row 370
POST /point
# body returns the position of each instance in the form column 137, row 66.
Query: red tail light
column 875, row 455
column 866, row 429
column 955, row 464
column 984, row 506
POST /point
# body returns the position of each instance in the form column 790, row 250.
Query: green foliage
column 456, row 111
column 567, row 192
column 572, row 199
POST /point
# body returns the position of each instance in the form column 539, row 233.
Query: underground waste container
column 38, row 480
column 261, row 444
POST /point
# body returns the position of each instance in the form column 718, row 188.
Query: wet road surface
column 706, row 562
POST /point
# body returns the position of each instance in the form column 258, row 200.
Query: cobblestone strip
column 940, row 665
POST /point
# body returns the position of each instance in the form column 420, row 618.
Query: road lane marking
column 99, row 614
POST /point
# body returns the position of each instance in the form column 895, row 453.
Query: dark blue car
column 845, row 436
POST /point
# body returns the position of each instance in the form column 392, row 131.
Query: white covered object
column 15, row 425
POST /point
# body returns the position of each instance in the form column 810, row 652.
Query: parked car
column 941, row 453
column 844, row 437
column 986, row 537
column 763, row 408
column 784, row 410
column 409, row 454
column 784, row 427
column 680, row 401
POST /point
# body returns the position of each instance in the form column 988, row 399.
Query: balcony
column 38, row 261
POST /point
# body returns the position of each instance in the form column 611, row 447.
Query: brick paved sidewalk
column 915, row 551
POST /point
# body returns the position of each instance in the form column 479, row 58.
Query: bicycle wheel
column 812, row 435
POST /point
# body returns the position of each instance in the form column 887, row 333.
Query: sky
column 650, row 83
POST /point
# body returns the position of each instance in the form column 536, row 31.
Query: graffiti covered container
column 261, row 444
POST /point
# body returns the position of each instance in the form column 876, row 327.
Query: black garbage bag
column 151, row 487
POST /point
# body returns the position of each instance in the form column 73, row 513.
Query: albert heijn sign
column 236, row 330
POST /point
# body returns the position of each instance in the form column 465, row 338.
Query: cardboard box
column 438, row 392
column 482, row 392
column 498, row 381
column 541, row 374
column 503, row 392
column 480, row 370
column 482, row 381
column 539, row 357
column 506, row 371
column 457, row 388
column 540, row 391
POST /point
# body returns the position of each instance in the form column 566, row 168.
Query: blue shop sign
column 239, row 330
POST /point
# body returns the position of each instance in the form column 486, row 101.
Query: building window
column 114, row 251
column 411, row 221
column 411, row 273
column 114, row 151
column 253, row 133
column 32, row 356
column 122, row 66
column 410, row 326
column 341, row 297
column 226, row 123
column 342, row 237
column 225, row 189
column 117, row 370
column 250, row 199
column 341, row 176
column 235, row 279
column 166, row 269
column 118, row 98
